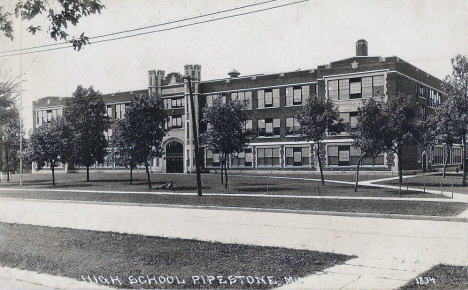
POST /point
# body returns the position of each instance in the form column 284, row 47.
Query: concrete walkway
column 390, row 251
column 11, row 278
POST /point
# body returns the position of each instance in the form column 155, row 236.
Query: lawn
column 291, row 190
column 244, row 184
column 87, row 254
column 440, row 277
column 435, row 182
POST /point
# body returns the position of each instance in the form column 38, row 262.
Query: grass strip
column 402, row 207
column 102, row 256
column 440, row 277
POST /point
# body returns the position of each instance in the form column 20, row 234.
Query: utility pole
column 21, row 105
column 195, row 137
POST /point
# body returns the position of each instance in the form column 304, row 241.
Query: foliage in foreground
column 138, row 137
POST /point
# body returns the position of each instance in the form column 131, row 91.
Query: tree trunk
column 52, row 168
column 7, row 157
column 463, row 161
column 320, row 164
column 148, row 174
column 131, row 175
column 225, row 172
column 357, row 175
column 400, row 165
column 222, row 162
column 445, row 162
column 87, row 173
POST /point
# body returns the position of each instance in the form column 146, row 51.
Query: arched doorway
column 174, row 157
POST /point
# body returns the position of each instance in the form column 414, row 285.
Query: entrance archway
column 174, row 157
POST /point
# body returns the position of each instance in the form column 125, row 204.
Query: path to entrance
column 390, row 251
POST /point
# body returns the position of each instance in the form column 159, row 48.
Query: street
column 390, row 251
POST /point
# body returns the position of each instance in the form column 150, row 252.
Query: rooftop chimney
column 361, row 47
column 234, row 73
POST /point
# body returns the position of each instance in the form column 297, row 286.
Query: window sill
column 290, row 106
column 266, row 137
column 268, row 108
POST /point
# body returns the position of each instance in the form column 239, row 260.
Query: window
column 109, row 111
column 268, row 156
column 268, row 127
column 422, row 112
column 167, row 103
column 243, row 159
column 344, row 155
column 211, row 98
column 333, row 90
column 456, row 155
column 243, row 97
column 176, row 122
column 119, row 111
column 212, row 159
column 297, row 156
column 296, row 95
column 45, row 116
column 350, row 118
column 177, row 103
column 292, row 125
column 354, row 88
column 366, row 87
column 108, row 134
column 268, row 98
column 247, row 125
column 438, row 155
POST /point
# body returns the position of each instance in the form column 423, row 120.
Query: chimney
column 234, row 73
column 361, row 47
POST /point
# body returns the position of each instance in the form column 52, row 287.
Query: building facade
column 274, row 101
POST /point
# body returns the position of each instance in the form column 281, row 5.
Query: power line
column 159, row 30
column 145, row 27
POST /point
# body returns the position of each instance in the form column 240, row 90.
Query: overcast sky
column 425, row 33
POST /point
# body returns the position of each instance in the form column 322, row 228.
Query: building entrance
column 175, row 157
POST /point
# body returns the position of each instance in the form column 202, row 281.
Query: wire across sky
column 161, row 27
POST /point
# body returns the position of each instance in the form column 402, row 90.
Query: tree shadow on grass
column 262, row 190
column 58, row 186
column 254, row 184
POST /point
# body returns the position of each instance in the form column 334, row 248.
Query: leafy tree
column 317, row 117
column 368, row 135
column 139, row 136
column 59, row 13
column 9, row 125
column 226, row 134
column 86, row 116
column 49, row 144
column 123, row 142
column 456, row 87
column 404, row 126
column 441, row 127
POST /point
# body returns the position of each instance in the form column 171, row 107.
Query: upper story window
column 268, row 127
column 268, row 98
column 292, row 125
column 434, row 99
column 354, row 88
column 243, row 96
column 297, row 95
column 120, row 111
column 178, row 102
column 177, row 122
column 350, row 118
column 109, row 111
column 45, row 116
column 247, row 125
column 211, row 98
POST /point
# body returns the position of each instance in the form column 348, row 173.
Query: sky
column 304, row 35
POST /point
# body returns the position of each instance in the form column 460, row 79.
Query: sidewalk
column 390, row 251
column 11, row 278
